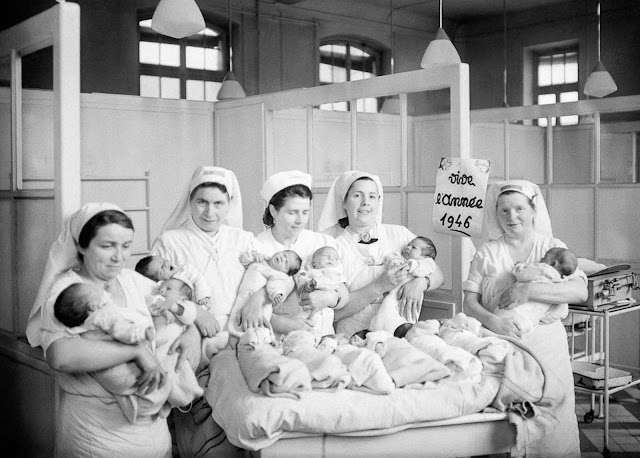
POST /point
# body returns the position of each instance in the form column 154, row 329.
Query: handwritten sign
column 458, row 204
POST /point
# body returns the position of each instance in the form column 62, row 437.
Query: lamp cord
column 230, row 41
column 440, row 13
column 504, row 39
column 598, row 31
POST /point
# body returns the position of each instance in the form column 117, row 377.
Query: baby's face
column 160, row 269
column 414, row 250
column 172, row 289
column 325, row 257
column 284, row 261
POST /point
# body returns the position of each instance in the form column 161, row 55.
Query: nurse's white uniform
column 364, row 263
column 217, row 257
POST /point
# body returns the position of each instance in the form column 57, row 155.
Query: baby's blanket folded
column 267, row 371
column 366, row 368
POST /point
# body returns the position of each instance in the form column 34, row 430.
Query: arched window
column 189, row 68
column 344, row 60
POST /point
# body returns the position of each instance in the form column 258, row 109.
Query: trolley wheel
column 588, row 417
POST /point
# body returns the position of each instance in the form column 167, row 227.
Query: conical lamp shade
column 391, row 105
column 440, row 51
column 599, row 82
column 231, row 88
column 177, row 18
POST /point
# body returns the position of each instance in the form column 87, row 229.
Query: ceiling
column 452, row 9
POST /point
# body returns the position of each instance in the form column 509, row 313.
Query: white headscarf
column 278, row 181
column 208, row 174
column 491, row 229
column 333, row 210
column 63, row 256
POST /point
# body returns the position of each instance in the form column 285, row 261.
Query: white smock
column 217, row 257
column 364, row 263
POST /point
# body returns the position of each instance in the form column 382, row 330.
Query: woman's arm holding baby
column 572, row 291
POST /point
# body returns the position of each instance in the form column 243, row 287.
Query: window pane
column 544, row 71
column 336, row 50
column 195, row 90
column 356, row 75
column 169, row 55
column 356, row 52
column 569, row 96
column 546, row 99
column 195, row 57
column 339, row 74
column 149, row 86
column 211, row 89
column 326, row 73
column 369, row 105
column 169, row 88
column 571, row 68
column 212, row 59
column 149, row 53
column 557, row 69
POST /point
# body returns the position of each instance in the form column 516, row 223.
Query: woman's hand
column 206, row 323
column 410, row 296
column 505, row 326
column 252, row 314
column 152, row 376
column 515, row 295
column 188, row 345
column 318, row 299
column 393, row 277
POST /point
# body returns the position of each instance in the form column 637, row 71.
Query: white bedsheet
column 254, row 421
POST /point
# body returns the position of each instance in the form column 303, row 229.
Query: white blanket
column 254, row 421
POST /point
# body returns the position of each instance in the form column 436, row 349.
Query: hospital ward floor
column 624, row 425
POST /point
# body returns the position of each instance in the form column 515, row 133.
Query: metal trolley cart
column 609, row 296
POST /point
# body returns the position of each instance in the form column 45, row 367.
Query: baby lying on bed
column 419, row 255
column 555, row 266
column 89, row 312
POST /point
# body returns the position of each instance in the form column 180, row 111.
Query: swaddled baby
column 365, row 366
column 266, row 370
column 406, row 364
column 327, row 371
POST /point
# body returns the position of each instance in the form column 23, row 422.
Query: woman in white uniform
column 288, row 198
column 353, row 211
column 205, row 230
column 517, row 228
column 94, row 248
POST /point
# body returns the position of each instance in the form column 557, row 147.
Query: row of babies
column 430, row 354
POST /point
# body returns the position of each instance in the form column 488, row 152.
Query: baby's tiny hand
column 278, row 298
column 258, row 257
column 205, row 302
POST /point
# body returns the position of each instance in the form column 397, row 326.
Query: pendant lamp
column 440, row 51
column 231, row 88
column 391, row 104
column 600, row 82
column 177, row 18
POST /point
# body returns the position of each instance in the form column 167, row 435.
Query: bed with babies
column 451, row 384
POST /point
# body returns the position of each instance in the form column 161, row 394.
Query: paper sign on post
column 458, row 204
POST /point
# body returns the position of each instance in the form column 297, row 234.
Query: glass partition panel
column 331, row 138
column 429, row 136
column 571, row 223
column 619, row 147
column 487, row 142
column 379, row 144
column 289, row 139
column 527, row 152
column 572, row 154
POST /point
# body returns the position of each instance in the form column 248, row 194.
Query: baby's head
column 175, row 289
column 325, row 257
column 359, row 339
column 76, row 302
column 286, row 261
column 155, row 268
column 420, row 248
column 401, row 331
column 562, row 259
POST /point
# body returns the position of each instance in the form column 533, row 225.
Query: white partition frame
column 243, row 137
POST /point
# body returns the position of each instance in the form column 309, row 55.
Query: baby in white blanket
column 419, row 255
column 554, row 267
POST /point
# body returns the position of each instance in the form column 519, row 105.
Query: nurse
column 288, row 204
column 205, row 230
column 353, row 213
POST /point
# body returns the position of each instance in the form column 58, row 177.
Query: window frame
column 556, row 89
column 182, row 72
